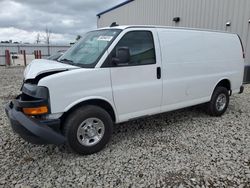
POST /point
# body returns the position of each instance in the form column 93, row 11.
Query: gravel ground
column 186, row 148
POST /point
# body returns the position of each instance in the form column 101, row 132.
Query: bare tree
column 47, row 35
column 47, row 38
column 38, row 38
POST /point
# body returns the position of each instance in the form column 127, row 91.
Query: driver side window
column 141, row 48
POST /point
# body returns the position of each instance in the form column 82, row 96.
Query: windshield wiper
column 67, row 61
column 70, row 62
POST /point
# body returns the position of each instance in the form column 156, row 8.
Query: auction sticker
column 105, row 38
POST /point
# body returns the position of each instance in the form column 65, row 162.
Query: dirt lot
column 180, row 149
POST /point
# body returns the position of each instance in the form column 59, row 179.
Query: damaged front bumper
column 32, row 129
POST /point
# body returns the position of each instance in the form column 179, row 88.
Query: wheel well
column 97, row 102
column 225, row 83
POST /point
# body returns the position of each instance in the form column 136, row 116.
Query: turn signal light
column 36, row 111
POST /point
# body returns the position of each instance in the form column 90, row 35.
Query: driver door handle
column 158, row 72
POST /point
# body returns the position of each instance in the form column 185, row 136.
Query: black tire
column 212, row 107
column 75, row 119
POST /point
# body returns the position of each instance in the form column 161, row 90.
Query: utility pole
column 47, row 39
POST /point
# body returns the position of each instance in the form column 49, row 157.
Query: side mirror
column 122, row 56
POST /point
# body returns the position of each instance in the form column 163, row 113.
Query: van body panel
column 194, row 62
column 72, row 87
column 137, row 94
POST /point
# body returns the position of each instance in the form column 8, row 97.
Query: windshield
column 87, row 52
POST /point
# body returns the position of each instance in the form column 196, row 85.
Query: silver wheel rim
column 90, row 131
column 221, row 102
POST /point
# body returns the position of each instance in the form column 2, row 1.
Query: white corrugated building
column 225, row 15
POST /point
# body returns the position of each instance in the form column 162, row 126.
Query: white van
column 117, row 74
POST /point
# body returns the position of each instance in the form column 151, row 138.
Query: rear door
column 137, row 85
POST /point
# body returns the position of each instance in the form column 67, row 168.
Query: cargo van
column 117, row 74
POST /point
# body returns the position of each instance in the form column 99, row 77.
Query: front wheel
column 219, row 101
column 88, row 129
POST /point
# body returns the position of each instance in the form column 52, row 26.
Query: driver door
column 137, row 84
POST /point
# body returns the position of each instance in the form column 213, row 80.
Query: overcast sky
column 21, row 20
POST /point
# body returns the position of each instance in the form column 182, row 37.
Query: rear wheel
column 88, row 129
column 219, row 101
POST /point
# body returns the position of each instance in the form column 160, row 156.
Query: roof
column 116, row 27
column 114, row 7
column 122, row 27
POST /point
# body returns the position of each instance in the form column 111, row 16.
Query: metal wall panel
column 207, row 14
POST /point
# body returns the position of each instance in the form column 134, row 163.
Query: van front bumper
column 31, row 129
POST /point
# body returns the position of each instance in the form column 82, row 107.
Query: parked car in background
column 117, row 74
column 56, row 56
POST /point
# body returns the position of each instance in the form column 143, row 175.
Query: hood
column 41, row 66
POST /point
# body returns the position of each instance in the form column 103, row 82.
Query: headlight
column 35, row 91
column 34, row 100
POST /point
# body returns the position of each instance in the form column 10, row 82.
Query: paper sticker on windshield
column 105, row 38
